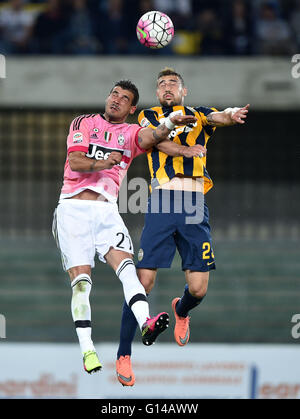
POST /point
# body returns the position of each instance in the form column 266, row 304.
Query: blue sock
column 186, row 303
column 127, row 331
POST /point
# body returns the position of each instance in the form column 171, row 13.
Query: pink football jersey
column 96, row 137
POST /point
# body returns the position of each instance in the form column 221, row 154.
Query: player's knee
column 198, row 291
column 77, row 271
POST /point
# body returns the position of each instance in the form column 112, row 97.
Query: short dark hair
column 168, row 71
column 128, row 85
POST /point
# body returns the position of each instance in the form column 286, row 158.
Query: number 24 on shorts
column 121, row 241
column 207, row 251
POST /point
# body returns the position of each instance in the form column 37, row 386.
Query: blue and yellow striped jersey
column 163, row 167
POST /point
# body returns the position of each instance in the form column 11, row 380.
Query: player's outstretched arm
column 177, row 150
column 149, row 137
column 230, row 116
column 80, row 163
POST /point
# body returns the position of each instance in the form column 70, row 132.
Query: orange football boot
column 182, row 328
column 124, row 371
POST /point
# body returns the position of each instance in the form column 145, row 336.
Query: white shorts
column 83, row 228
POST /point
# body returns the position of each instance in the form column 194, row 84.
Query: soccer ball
column 155, row 30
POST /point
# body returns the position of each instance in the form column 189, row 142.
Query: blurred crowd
column 206, row 28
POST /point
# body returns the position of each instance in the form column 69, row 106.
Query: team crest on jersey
column 77, row 138
column 140, row 255
column 121, row 139
column 144, row 123
column 107, row 136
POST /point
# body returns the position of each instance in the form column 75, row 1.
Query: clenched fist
column 113, row 159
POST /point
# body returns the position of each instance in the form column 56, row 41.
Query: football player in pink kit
column 100, row 149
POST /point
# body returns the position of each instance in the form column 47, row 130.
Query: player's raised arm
column 149, row 137
column 228, row 117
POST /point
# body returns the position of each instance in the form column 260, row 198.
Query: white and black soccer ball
column 155, row 30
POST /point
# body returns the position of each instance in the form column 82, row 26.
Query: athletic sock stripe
column 86, row 279
column 123, row 266
column 83, row 323
column 137, row 297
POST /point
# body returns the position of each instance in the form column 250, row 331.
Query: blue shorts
column 166, row 229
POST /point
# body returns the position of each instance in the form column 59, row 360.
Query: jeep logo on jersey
column 99, row 152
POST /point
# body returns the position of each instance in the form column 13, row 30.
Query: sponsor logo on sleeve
column 77, row 138
column 144, row 123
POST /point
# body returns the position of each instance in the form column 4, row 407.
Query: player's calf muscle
column 114, row 257
column 147, row 278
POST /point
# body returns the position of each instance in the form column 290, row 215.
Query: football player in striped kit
column 185, row 225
